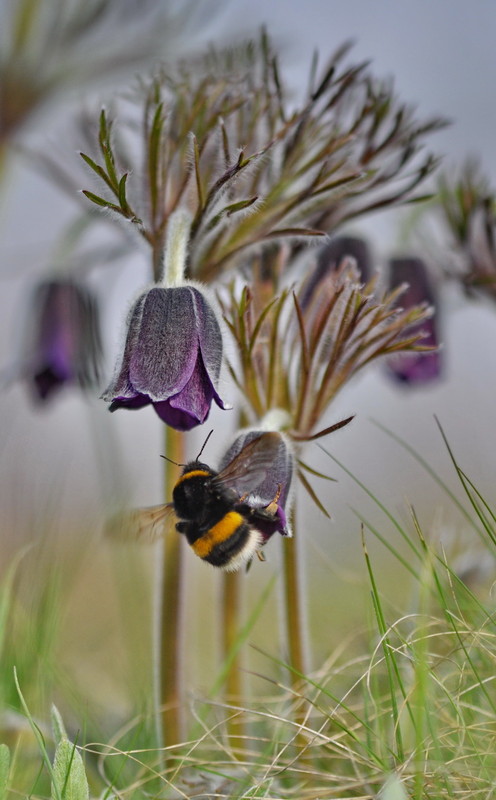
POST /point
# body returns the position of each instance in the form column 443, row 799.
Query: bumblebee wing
column 250, row 467
column 145, row 524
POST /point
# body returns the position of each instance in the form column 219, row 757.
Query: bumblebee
column 211, row 507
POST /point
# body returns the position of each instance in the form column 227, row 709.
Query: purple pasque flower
column 330, row 257
column 422, row 367
column 274, row 485
column 63, row 344
column 172, row 357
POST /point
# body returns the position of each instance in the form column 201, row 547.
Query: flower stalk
column 294, row 605
column 169, row 649
column 231, row 625
column 176, row 248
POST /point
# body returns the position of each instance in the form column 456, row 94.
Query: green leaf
column 315, row 472
column 154, row 155
column 293, row 232
column 106, row 149
column 199, row 188
column 239, row 206
column 305, row 354
column 95, row 167
column 259, row 324
column 420, row 198
column 4, row 769
column 229, row 210
column 325, row 431
column 58, row 727
column 100, row 201
column 122, row 191
column 69, row 776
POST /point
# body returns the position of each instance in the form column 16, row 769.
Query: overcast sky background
column 442, row 57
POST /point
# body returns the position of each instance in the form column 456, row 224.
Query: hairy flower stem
column 231, row 605
column 293, row 604
column 232, row 588
column 170, row 648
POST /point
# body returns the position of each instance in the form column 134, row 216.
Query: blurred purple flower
column 416, row 367
column 275, row 484
column 172, row 357
column 329, row 259
column 63, row 343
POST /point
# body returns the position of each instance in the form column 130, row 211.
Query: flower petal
column 138, row 401
column 165, row 351
column 209, row 336
column 120, row 387
column 278, row 524
column 175, row 417
column 196, row 396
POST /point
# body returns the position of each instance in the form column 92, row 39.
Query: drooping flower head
column 173, row 350
column 416, row 367
column 63, row 344
column 275, row 486
column 172, row 357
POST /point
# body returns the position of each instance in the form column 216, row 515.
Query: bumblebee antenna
column 198, row 456
column 204, row 444
column 172, row 462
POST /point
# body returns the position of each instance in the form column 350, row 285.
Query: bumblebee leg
column 261, row 555
column 272, row 507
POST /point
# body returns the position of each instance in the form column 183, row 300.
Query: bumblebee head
column 193, row 490
column 196, row 467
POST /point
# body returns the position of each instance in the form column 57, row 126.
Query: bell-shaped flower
column 172, row 357
column 63, row 343
column 272, row 494
column 422, row 367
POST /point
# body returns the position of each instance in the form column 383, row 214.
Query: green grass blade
column 56, row 795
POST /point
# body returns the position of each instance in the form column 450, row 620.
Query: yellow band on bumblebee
column 218, row 533
column 192, row 474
